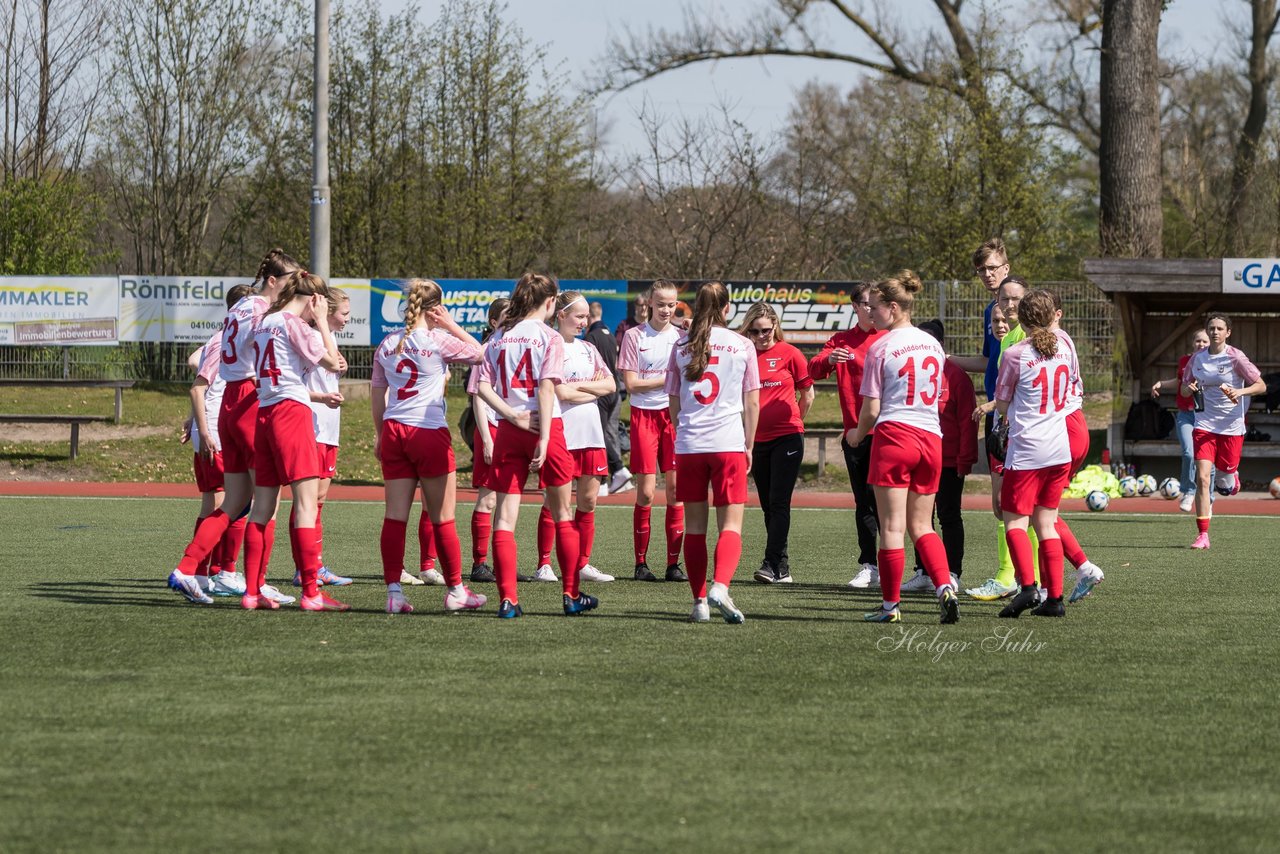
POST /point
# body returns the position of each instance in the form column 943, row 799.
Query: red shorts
column 653, row 441
column 479, row 468
column 906, row 456
column 1024, row 490
column 589, row 462
column 725, row 473
column 284, row 444
column 237, row 425
column 209, row 475
column 1223, row 450
column 1078, row 438
column 996, row 466
column 414, row 453
column 328, row 459
column 514, row 449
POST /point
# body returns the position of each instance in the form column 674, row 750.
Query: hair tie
column 302, row 271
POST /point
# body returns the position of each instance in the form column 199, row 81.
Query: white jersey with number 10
column 711, row 408
column 903, row 371
column 1039, row 390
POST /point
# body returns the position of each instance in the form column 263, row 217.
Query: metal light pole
column 320, row 147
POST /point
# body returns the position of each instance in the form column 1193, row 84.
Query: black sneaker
column 766, row 574
column 783, row 574
column 521, row 577
column 1025, row 598
column 949, row 604
column 1050, row 608
column 643, row 573
column 482, row 572
column 574, row 605
column 675, row 573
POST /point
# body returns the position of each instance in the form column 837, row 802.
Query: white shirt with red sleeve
column 473, row 383
column 647, row 352
column 711, row 408
column 582, row 427
column 1037, row 389
column 415, row 376
column 521, row 357
column 284, row 349
column 904, row 371
column 237, row 337
column 1075, row 393
column 1230, row 367
column 210, row 358
column 326, row 419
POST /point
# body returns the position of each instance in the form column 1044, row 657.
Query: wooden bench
column 118, row 385
column 823, row 435
column 74, row 420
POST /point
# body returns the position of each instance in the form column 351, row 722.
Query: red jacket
column 959, row 430
column 848, row 374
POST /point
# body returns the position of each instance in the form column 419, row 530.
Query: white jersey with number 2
column 711, row 408
column 1039, row 390
column 903, row 370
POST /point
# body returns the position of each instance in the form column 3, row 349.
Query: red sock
column 208, row 533
column 214, row 554
column 504, row 564
column 674, row 519
column 1202, row 524
column 268, row 543
column 391, row 544
column 1020, row 553
column 695, row 563
column 293, row 541
column 1070, row 545
column 567, row 556
column 309, row 551
column 254, row 546
column 640, row 530
column 320, row 532
column 1051, row 567
column 449, row 550
column 934, row 555
column 728, row 552
column 546, row 536
column 586, row 525
column 426, row 543
column 481, row 530
column 891, row 563
column 232, row 541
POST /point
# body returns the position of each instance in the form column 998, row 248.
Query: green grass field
column 135, row 721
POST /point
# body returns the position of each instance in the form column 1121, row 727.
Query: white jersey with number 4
column 518, row 359
column 284, row 349
column 1039, row 390
column 415, row 377
column 646, row 352
column 711, row 408
column 903, row 370
column 237, row 337
column 1230, row 367
column 582, row 427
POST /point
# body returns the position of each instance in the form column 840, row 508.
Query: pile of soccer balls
column 1144, row 484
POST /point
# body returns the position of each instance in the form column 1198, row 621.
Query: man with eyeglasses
column 844, row 354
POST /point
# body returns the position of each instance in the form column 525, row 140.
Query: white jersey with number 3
column 518, row 359
column 284, row 349
column 582, row 427
column 711, row 408
column 1039, row 390
column 903, row 371
column 237, row 337
column 415, row 377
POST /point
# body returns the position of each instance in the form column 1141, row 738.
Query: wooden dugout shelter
column 1159, row 304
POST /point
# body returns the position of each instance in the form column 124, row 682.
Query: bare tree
column 1263, row 20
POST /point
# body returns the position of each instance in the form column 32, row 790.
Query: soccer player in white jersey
column 1222, row 379
column 285, row 450
column 713, row 385
column 643, row 355
column 410, row 370
column 523, row 364
column 237, row 425
column 326, row 415
column 482, row 447
column 1033, row 391
column 902, row 392
column 586, row 379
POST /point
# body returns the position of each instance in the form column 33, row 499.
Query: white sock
column 459, row 590
column 888, row 606
column 718, row 589
column 394, row 587
column 1091, row 568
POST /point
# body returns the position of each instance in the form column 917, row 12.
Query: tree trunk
column 1130, row 221
column 1259, row 76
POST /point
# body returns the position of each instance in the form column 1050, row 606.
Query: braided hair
column 275, row 263
column 1036, row 313
column 421, row 296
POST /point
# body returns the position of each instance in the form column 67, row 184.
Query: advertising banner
column 58, row 310
column 1251, row 276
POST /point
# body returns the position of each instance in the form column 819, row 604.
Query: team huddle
column 708, row 407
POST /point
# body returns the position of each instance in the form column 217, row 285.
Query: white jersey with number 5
column 711, row 408
column 519, row 358
column 237, row 337
column 582, row 427
column 1039, row 391
column 904, row 371
column 415, row 377
column 284, row 349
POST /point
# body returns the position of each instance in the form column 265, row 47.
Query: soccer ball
column 1170, row 488
column 1098, row 500
column 1146, row 485
column 1275, row 487
column 1128, row 486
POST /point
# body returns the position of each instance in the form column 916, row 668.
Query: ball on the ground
column 1098, row 500
column 1275, row 487
column 1170, row 488
column 1147, row 485
column 1128, row 486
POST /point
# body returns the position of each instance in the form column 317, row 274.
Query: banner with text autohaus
column 809, row 312
column 59, row 310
